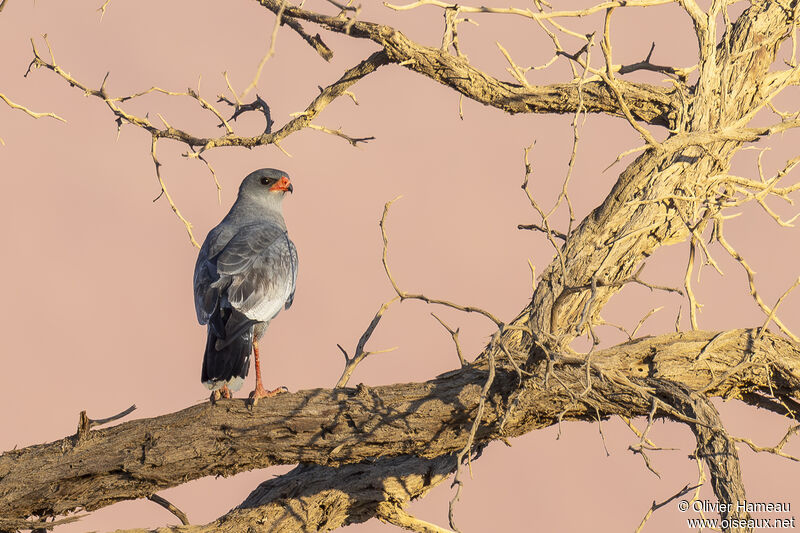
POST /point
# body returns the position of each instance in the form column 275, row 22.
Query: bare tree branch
column 342, row 426
column 649, row 103
column 715, row 447
column 302, row 120
column 24, row 109
column 323, row 498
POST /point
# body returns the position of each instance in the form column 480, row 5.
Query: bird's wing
column 293, row 252
column 207, row 286
column 257, row 270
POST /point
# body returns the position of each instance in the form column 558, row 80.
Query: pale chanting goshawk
column 245, row 275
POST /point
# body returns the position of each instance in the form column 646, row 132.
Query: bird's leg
column 260, row 391
column 223, row 392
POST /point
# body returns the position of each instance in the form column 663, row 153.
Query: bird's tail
column 227, row 357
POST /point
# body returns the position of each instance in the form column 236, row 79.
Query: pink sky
column 98, row 310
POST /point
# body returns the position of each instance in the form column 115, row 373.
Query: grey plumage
column 245, row 274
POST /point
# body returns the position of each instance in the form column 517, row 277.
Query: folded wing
column 252, row 270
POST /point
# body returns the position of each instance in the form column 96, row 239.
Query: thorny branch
column 198, row 145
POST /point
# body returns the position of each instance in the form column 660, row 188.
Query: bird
column 245, row 275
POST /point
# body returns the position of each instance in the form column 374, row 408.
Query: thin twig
column 608, row 77
column 270, row 51
column 24, row 109
column 454, row 334
column 775, row 450
column 656, row 506
column 166, row 194
column 170, row 507
column 360, row 354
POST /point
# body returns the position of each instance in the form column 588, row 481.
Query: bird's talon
column 223, row 392
column 261, row 392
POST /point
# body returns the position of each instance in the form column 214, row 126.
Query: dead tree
column 365, row 452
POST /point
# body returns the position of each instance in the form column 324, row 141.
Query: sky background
column 98, row 311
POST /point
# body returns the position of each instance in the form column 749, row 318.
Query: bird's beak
column 283, row 185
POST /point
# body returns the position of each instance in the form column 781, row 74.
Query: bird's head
column 266, row 183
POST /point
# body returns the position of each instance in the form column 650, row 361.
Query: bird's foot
column 223, row 392
column 261, row 392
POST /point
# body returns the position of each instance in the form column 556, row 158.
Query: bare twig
column 720, row 237
column 643, row 319
column 300, row 121
column 454, row 334
column 527, row 13
column 360, row 354
column 270, row 51
column 656, row 506
column 101, row 9
column 170, row 507
column 467, row 450
column 774, row 310
column 608, row 77
column 410, row 296
column 85, row 423
column 166, row 194
column 775, row 450
column 101, row 421
column 24, row 109
column 687, row 283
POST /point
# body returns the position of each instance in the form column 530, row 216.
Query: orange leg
column 260, row 391
column 224, row 392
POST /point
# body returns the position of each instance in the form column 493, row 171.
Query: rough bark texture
column 320, row 498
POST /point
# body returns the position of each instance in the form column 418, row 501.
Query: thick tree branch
column 715, row 447
column 341, row 426
column 322, row 498
column 649, row 103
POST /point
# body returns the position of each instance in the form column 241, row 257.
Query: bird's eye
column 265, row 181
